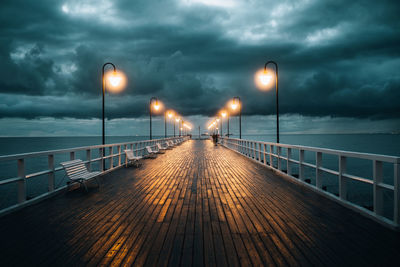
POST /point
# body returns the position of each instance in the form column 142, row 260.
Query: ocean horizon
column 375, row 143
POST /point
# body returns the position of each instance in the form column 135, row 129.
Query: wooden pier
column 198, row 205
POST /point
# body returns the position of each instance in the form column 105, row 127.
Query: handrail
column 66, row 150
column 361, row 155
column 105, row 153
column 270, row 155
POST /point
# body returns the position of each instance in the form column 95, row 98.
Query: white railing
column 274, row 156
column 107, row 158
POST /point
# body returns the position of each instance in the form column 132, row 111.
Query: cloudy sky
column 339, row 64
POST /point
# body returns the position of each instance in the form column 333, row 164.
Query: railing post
column 110, row 151
column 102, row 158
column 270, row 156
column 51, row 183
column 265, row 152
column 378, row 193
column 72, row 155
column 22, row 181
column 301, row 166
column 119, row 155
column 396, row 213
column 125, row 148
column 259, row 152
column 89, row 159
column 318, row 172
column 342, row 179
column 249, row 149
column 279, row 157
column 288, row 163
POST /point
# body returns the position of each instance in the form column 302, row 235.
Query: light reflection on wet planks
column 195, row 205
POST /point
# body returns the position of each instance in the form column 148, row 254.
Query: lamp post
column 228, row 122
column 170, row 116
column 165, row 124
column 114, row 80
column 218, row 120
column 265, row 80
column 177, row 120
column 235, row 103
column 156, row 106
column 223, row 115
column 222, row 129
column 103, row 92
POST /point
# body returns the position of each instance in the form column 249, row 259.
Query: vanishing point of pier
column 197, row 204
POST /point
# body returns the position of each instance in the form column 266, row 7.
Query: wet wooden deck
column 195, row 205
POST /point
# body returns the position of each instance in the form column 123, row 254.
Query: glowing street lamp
column 181, row 128
column 213, row 125
column 156, row 105
column 177, row 120
column 237, row 103
column 265, row 78
column 218, row 120
column 170, row 114
column 224, row 114
column 114, row 80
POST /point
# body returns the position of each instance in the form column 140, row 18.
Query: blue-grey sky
column 338, row 63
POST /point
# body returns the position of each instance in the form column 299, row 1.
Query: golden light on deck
column 170, row 114
column 116, row 80
column 178, row 119
column 263, row 79
column 223, row 113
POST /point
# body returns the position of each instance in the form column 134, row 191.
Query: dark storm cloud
column 336, row 58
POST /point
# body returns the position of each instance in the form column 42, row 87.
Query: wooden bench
column 130, row 158
column 76, row 171
column 170, row 143
column 151, row 153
